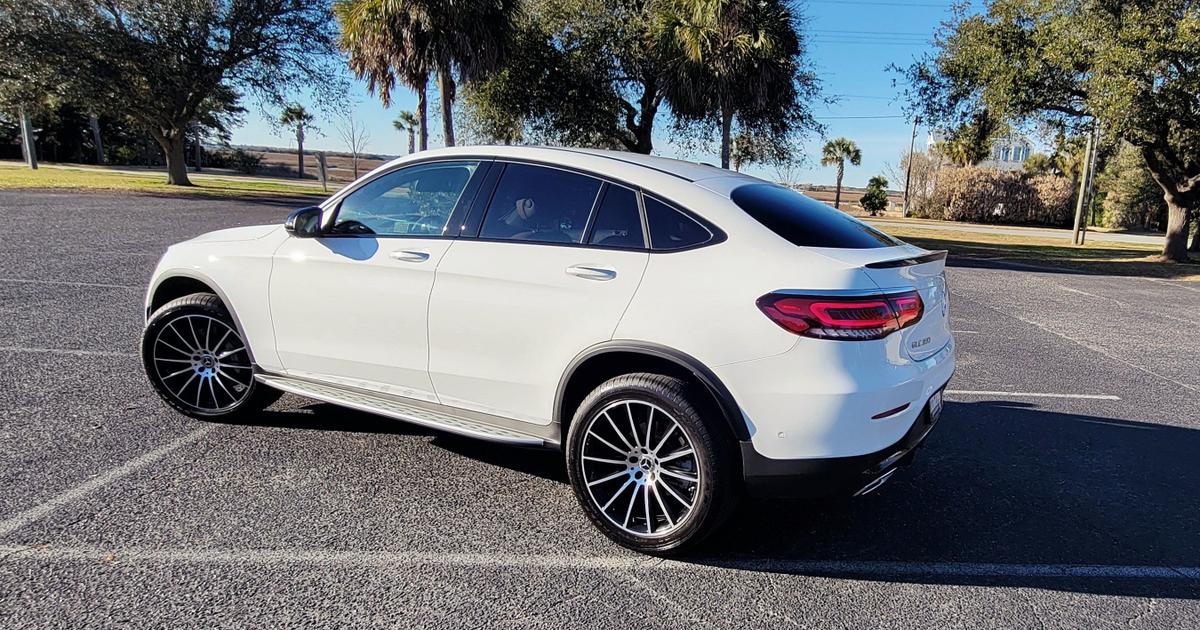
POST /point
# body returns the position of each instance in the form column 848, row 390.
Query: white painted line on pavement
column 82, row 353
column 965, row 332
column 967, row 392
column 81, row 490
column 829, row 568
column 100, row 285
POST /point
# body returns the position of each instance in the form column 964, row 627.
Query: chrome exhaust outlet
column 875, row 483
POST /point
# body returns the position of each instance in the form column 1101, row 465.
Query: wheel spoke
column 662, row 506
column 646, row 506
column 220, row 341
column 229, row 352
column 649, row 423
column 606, row 443
column 617, row 431
column 181, row 338
column 608, row 478
column 213, row 390
column 664, row 438
column 672, row 473
column 619, row 462
column 207, row 334
column 671, row 491
column 174, row 374
column 675, row 455
column 163, row 342
column 632, row 428
column 217, row 378
column 179, row 394
column 173, row 360
column 632, row 500
column 616, row 494
column 221, row 370
column 195, row 337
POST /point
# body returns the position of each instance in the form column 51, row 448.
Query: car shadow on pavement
column 1001, row 483
column 996, row 483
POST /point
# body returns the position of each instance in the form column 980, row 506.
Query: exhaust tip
column 874, row 484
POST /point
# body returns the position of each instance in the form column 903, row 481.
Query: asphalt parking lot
column 1059, row 490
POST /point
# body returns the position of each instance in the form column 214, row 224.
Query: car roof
column 690, row 171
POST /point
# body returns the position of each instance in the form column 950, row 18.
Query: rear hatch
column 903, row 268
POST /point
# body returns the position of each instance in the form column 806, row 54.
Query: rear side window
column 545, row 205
column 806, row 222
column 671, row 229
column 618, row 221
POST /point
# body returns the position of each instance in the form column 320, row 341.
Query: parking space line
column 82, row 353
column 81, row 490
column 969, row 392
column 100, row 285
column 826, row 568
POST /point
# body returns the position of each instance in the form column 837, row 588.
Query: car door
column 350, row 306
column 557, row 259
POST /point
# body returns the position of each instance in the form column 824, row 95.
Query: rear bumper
column 831, row 476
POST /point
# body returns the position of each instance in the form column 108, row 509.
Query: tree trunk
column 199, row 151
column 837, row 195
column 173, row 150
column 94, row 123
column 300, row 150
column 423, row 116
column 412, row 140
column 726, row 133
column 446, row 91
column 28, row 145
column 1175, row 245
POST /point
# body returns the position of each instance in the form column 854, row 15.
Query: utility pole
column 912, row 143
column 27, row 144
column 1085, row 176
column 1091, row 187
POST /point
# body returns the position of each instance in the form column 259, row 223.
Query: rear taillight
column 849, row 318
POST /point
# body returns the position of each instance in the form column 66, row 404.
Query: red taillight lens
column 833, row 317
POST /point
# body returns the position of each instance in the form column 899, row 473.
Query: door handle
column 410, row 255
column 592, row 272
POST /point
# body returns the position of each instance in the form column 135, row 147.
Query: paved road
column 1037, row 232
column 1022, row 511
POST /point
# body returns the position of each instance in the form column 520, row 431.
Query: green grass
column 1097, row 257
column 17, row 176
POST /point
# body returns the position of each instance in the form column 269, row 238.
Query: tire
column 605, row 460
column 197, row 361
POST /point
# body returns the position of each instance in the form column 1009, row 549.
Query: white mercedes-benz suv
column 684, row 333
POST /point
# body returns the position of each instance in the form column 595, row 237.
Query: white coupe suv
column 684, row 333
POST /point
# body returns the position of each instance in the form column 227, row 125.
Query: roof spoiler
column 909, row 260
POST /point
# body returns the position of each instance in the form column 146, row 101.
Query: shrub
column 987, row 196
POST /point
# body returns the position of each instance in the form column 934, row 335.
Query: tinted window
column 533, row 203
column 805, row 221
column 618, row 221
column 414, row 201
column 672, row 229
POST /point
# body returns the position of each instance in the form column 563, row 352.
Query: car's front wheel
column 198, row 362
column 647, row 467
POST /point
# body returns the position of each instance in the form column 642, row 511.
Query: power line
column 905, row 33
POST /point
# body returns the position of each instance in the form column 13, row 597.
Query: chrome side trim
column 423, row 413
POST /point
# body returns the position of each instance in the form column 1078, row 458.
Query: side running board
column 421, row 413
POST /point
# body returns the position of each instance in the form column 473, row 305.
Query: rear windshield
column 806, row 222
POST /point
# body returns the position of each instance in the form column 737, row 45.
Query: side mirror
column 304, row 223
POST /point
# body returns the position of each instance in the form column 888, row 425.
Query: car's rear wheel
column 198, row 362
column 647, row 467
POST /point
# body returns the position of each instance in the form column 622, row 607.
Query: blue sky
column 850, row 45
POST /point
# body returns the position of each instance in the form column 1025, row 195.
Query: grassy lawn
column 1096, row 257
column 14, row 175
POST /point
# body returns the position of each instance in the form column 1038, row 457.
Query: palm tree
column 298, row 118
column 839, row 151
column 410, row 40
column 407, row 121
column 729, row 57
